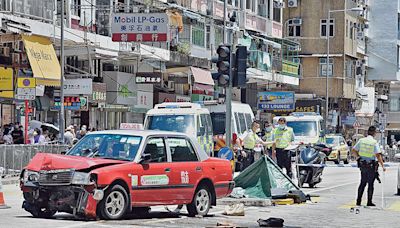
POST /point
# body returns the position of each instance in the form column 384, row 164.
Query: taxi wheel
column 201, row 203
column 115, row 203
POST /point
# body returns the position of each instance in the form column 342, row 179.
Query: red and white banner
column 139, row 27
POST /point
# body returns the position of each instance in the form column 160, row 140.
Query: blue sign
column 283, row 101
column 225, row 153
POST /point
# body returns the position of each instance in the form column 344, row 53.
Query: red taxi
column 111, row 173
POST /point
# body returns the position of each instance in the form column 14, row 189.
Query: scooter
column 311, row 155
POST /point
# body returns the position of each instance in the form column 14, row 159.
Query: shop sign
column 139, row 27
column 276, row 101
column 78, row 86
column 6, row 82
column 76, row 103
column 99, row 94
column 144, row 100
column 200, row 97
column 182, row 98
column 148, row 78
column 290, row 68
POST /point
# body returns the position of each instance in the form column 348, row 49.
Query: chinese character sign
column 148, row 78
column 139, row 27
column 276, row 101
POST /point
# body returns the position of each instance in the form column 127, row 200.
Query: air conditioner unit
column 358, row 63
column 292, row 3
column 296, row 60
column 360, row 35
column 279, row 5
column 16, row 59
column 171, row 85
column 297, row 21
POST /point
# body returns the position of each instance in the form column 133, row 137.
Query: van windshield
column 218, row 123
column 176, row 123
column 303, row 128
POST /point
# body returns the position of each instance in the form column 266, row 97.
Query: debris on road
column 271, row 222
column 225, row 225
column 234, row 209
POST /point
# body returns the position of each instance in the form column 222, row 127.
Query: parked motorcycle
column 311, row 155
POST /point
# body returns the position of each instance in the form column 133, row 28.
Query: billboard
column 277, row 100
column 139, row 27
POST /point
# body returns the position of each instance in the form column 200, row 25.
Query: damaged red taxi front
column 112, row 173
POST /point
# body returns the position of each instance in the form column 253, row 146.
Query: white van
column 242, row 118
column 183, row 117
column 307, row 126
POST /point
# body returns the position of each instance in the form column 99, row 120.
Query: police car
column 109, row 174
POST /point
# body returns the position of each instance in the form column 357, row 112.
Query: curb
column 10, row 181
column 246, row 202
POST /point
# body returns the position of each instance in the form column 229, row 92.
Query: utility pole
column 61, row 116
column 228, row 90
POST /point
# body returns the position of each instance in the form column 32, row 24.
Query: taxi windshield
column 108, row 146
column 332, row 140
column 176, row 123
column 303, row 128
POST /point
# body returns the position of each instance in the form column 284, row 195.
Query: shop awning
column 202, row 76
column 43, row 60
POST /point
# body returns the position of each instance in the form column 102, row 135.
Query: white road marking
column 335, row 186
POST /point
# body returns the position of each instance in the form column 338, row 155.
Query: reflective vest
column 268, row 137
column 283, row 137
column 249, row 142
column 367, row 147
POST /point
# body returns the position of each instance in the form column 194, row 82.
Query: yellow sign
column 6, row 82
column 26, row 83
column 290, row 68
column 43, row 60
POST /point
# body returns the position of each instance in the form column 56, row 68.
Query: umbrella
column 50, row 127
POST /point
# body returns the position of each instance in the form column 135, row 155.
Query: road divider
column 338, row 165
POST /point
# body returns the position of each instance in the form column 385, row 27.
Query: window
column 242, row 122
column 351, row 30
column 218, row 123
column 331, row 28
column 118, row 147
column 198, row 34
column 277, row 14
column 205, row 122
column 398, row 26
column 219, row 35
column 208, row 36
column 177, row 123
column 398, row 58
column 347, row 28
column 249, row 121
column 156, row 148
column 322, row 67
column 181, row 150
column 349, row 69
column 294, row 28
column 237, row 122
column 185, row 35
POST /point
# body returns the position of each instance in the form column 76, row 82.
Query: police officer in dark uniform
column 368, row 155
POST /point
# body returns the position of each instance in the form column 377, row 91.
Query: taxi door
column 186, row 168
column 151, row 181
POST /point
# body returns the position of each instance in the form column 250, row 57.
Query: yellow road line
column 348, row 205
column 394, row 206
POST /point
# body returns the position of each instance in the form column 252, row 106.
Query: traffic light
column 239, row 76
column 223, row 65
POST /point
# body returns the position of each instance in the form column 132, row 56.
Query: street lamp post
column 328, row 24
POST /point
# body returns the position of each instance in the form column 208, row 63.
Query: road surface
column 337, row 193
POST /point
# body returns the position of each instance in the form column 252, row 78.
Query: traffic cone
column 2, row 202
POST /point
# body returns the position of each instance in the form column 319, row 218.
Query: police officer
column 367, row 152
column 250, row 140
column 268, row 129
column 282, row 137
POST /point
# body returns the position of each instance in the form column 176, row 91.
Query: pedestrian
column 283, row 136
column 368, row 155
column 18, row 135
column 7, row 138
column 267, row 136
column 37, row 137
column 69, row 136
column 81, row 132
column 250, row 140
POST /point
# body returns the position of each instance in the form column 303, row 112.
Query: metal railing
column 13, row 158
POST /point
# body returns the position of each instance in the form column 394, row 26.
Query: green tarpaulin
column 261, row 178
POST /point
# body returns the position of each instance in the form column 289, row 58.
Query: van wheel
column 115, row 203
column 201, row 202
column 338, row 159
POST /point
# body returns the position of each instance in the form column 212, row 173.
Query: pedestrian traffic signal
column 239, row 76
column 223, row 62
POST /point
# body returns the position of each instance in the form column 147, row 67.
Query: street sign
column 139, row 27
column 382, row 119
column 23, row 82
column 356, row 124
column 26, row 94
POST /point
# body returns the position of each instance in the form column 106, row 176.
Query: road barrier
column 13, row 158
column 338, row 165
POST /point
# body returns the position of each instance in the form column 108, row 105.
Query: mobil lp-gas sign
column 139, row 27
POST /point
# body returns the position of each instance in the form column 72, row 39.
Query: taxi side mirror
column 145, row 158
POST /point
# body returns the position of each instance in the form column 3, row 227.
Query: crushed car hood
column 45, row 161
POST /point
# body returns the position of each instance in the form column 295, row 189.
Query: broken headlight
column 81, row 178
column 31, row 176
